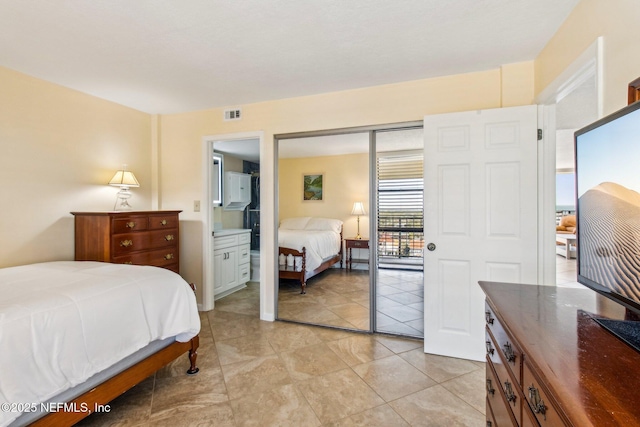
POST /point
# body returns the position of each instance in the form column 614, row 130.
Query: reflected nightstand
column 353, row 243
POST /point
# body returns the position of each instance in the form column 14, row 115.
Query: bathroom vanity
column 231, row 261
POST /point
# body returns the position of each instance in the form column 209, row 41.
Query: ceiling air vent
column 232, row 114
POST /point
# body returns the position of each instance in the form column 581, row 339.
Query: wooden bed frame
column 120, row 383
column 117, row 385
column 303, row 275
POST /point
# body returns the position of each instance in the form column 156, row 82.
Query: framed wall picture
column 312, row 187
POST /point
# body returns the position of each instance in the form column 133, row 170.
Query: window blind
column 400, row 192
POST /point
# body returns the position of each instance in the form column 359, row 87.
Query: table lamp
column 358, row 209
column 123, row 179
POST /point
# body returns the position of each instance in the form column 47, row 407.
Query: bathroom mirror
column 217, row 177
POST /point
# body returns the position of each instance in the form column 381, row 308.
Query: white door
column 480, row 217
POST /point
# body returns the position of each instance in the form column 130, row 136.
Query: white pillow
column 321, row 224
column 295, row 223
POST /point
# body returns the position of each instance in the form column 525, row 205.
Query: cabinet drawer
column 131, row 242
column 539, row 401
column 511, row 354
column 504, row 379
column 358, row 243
column 157, row 258
column 225, row 241
column 491, row 422
column 130, row 224
column 244, row 273
column 528, row 419
column 163, row 221
column 502, row 415
column 244, row 254
column 244, row 238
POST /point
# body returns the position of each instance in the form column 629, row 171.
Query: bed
column 82, row 333
column 314, row 243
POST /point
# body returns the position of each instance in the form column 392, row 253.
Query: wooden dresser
column 133, row 237
column 550, row 364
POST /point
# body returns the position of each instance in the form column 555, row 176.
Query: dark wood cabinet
column 550, row 364
column 133, row 237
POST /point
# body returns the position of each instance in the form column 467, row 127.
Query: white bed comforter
column 319, row 245
column 62, row 322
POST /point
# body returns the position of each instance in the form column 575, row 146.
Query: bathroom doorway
column 241, row 155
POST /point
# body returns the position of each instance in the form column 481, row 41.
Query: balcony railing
column 400, row 239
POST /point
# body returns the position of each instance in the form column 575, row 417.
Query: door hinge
column 539, row 134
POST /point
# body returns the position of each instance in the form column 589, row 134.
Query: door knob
column 431, row 246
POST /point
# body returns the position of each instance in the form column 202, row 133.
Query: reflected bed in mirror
column 334, row 296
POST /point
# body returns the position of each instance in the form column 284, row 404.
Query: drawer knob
column 538, row 404
column 168, row 237
column 508, row 392
column 488, row 318
column 489, row 424
column 130, row 224
column 126, row 243
column 168, row 256
column 128, row 262
column 508, row 353
column 163, row 222
column 489, row 348
column 490, row 388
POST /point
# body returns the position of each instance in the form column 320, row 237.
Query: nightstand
column 353, row 243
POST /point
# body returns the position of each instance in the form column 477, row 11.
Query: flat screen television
column 608, row 213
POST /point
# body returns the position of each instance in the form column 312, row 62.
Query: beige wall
column 59, row 149
column 616, row 21
column 182, row 137
column 345, row 181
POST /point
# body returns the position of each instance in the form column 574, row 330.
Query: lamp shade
column 358, row 209
column 124, row 178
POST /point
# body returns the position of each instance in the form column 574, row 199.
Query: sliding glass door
column 400, row 232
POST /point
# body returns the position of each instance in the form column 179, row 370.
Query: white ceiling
column 167, row 56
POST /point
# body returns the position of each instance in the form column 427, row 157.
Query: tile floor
column 400, row 302
column 566, row 273
column 341, row 298
column 255, row 373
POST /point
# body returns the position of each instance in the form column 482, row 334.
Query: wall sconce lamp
column 123, row 179
column 358, row 209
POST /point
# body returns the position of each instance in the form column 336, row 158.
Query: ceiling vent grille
column 232, row 114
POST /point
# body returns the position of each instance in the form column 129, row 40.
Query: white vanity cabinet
column 231, row 261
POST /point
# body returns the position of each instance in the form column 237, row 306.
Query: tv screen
column 608, row 209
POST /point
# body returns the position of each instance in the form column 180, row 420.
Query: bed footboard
column 290, row 272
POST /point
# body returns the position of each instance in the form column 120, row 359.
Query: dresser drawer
column 157, row 258
column 130, row 224
column 491, row 422
column 539, row 401
column 501, row 414
column 131, row 242
column 511, row 354
column 163, row 221
column 504, row 379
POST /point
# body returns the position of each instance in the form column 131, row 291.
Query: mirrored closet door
column 323, row 234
